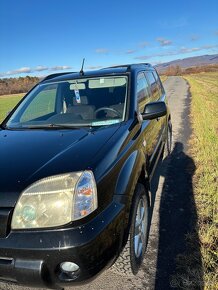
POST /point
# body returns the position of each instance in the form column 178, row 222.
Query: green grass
column 7, row 103
column 204, row 151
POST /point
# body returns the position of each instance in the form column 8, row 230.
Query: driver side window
column 142, row 92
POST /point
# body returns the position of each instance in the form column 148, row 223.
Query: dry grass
column 163, row 78
column 204, row 151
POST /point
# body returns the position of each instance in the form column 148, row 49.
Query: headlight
column 56, row 201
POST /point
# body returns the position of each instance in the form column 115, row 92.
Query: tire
column 131, row 257
column 169, row 140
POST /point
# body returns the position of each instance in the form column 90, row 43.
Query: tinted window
column 158, row 82
column 154, row 85
column 142, row 91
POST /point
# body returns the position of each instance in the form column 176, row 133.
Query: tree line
column 19, row 85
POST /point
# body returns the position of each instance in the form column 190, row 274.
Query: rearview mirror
column 154, row 110
column 79, row 86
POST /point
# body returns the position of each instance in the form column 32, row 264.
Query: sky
column 39, row 37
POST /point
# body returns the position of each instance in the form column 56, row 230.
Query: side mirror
column 154, row 110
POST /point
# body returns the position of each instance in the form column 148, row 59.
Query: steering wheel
column 109, row 109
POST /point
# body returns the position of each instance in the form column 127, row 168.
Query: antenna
column 81, row 71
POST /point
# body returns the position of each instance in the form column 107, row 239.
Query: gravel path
column 158, row 264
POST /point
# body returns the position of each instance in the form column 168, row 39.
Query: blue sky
column 45, row 36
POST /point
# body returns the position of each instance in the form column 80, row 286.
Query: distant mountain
column 189, row 62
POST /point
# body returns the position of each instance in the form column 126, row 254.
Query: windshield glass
column 80, row 102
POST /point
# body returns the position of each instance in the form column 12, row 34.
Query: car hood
column 29, row 155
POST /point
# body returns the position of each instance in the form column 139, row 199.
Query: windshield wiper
column 54, row 126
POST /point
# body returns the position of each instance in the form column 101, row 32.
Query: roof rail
column 129, row 66
column 117, row 66
column 55, row 75
column 144, row 63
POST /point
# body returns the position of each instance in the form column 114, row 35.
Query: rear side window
column 158, row 82
column 142, row 92
column 155, row 90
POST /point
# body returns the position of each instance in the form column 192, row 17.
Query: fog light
column 69, row 267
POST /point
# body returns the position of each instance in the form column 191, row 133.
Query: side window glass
column 142, row 92
column 154, row 86
column 158, row 82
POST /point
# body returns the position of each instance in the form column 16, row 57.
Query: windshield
column 80, row 102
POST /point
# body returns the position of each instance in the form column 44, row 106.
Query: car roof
column 113, row 70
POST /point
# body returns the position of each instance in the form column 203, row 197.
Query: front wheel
column 130, row 259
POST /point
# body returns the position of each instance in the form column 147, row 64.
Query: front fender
column 125, row 186
column 129, row 175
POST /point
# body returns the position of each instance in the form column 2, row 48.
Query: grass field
column 204, row 151
column 7, row 103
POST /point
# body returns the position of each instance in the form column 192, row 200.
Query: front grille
column 5, row 219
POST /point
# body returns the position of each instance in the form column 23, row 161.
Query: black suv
column 77, row 155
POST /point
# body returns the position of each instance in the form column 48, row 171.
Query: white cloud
column 60, row 67
column 181, row 50
column 164, row 41
column 28, row 70
column 187, row 50
column 19, row 70
column 40, row 68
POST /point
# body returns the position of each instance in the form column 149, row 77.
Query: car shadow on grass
column 179, row 264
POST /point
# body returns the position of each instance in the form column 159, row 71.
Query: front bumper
column 33, row 258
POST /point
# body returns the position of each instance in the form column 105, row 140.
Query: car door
column 158, row 124
column 149, row 132
column 162, row 97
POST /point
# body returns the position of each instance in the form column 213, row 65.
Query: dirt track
column 172, row 188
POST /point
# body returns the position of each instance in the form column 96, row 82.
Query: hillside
column 184, row 63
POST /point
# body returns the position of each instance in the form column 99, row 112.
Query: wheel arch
column 134, row 171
